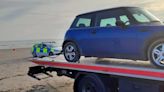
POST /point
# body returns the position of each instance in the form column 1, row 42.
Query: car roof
column 48, row 44
column 116, row 8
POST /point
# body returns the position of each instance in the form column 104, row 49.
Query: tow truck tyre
column 156, row 53
column 71, row 52
column 92, row 83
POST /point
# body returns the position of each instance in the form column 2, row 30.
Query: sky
column 50, row 19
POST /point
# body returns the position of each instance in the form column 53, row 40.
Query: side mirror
column 120, row 24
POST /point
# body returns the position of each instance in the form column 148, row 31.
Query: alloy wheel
column 158, row 54
column 70, row 52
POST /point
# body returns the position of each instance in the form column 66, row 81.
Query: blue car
column 122, row 32
column 45, row 49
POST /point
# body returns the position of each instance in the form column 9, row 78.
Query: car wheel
column 71, row 52
column 34, row 54
column 156, row 53
column 51, row 54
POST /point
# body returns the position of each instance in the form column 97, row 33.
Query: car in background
column 45, row 49
column 122, row 32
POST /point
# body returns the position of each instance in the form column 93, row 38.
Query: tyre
column 92, row 83
column 34, row 54
column 156, row 53
column 71, row 52
column 50, row 54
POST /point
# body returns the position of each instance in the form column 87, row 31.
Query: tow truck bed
column 122, row 69
column 128, row 68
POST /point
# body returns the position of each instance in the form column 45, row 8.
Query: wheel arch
column 66, row 41
column 110, row 83
column 78, row 77
column 50, row 52
column 150, row 41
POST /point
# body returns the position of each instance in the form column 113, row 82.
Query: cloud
column 44, row 19
column 154, row 5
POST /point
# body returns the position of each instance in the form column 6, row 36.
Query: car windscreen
column 142, row 16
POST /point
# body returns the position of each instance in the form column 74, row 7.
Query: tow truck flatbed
column 120, row 69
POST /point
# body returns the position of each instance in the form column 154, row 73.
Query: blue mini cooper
column 123, row 32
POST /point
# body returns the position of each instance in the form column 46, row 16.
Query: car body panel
column 116, row 42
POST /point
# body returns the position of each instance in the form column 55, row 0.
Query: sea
column 27, row 43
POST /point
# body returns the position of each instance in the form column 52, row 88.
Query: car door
column 44, row 50
column 81, row 33
column 38, row 49
column 114, row 41
column 41, row 50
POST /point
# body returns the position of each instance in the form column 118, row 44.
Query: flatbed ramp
column 114, row 67
column 103, row 75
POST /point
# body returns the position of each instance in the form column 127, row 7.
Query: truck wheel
column 156, row 53
column 92, row 83
column 71, row 52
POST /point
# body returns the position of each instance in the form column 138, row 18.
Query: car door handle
column 94, row 32
column 143, row 30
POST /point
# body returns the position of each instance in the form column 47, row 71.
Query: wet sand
column 14, row 65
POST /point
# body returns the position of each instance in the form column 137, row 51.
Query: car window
column 108, row 22
column 38, row 45
column 44, row 46
column 35, row 46
column 125, row 19
column 41, row 45
column 109, row 18
column 84, row 22
column 141, row 18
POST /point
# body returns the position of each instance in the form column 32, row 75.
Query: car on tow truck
column 122, row 32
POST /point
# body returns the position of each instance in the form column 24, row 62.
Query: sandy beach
column 14, row 65
column 27, row 22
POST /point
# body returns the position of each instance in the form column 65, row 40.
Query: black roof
column 106, row 10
